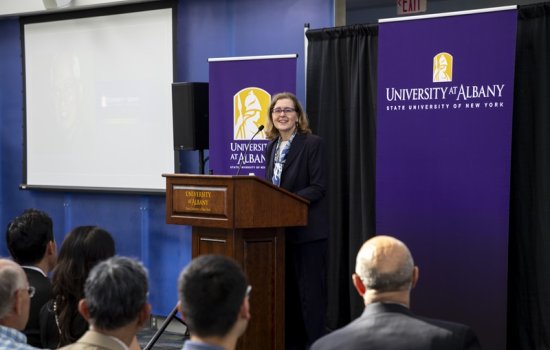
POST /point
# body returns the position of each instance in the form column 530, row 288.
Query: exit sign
column 410, row 6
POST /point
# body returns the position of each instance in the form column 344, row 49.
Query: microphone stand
column 202, row 161
column 260, row 128
column 163, row 326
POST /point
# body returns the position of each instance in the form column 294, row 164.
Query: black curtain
column 341, row 103
column 529, row 240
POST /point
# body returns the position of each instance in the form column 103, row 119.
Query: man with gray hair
column 15, row 301
column 115, row 305
column 384, row 276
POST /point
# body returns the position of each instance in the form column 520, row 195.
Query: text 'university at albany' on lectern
column 242, row 217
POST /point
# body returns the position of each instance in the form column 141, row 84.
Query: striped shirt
column 12, row 339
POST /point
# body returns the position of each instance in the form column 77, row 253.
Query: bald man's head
column 12, row 278
column 385, row 264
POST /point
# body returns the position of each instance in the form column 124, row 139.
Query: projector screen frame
column 87, row 13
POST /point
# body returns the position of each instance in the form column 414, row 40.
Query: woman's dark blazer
column 304, row 173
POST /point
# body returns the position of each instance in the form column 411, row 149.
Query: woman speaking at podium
column 295, row 161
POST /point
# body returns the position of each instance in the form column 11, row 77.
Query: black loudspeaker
column 190, row 115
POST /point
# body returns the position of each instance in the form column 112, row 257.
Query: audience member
column 31, row 243
column 15, row 295
column 384, row 276
column 84, row 247
column 115, row 305
column 213, row 300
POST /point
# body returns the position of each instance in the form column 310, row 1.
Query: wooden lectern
column 242, row 217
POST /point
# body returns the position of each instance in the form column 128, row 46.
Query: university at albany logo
column 250, row 107
column 443, row 67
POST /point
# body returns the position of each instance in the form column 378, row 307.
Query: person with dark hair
column 115, row 305
column 295, row 161
column 31, row 243
column 213, row 300
column 15, row 296
column 384, row 275
column 81, row 250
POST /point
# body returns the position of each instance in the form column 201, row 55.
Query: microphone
column 260, row 128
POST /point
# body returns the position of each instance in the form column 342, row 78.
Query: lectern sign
column 193, row 199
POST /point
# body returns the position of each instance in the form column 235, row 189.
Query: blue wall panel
column 216, row 28
column 120, row 215
column 205, row 29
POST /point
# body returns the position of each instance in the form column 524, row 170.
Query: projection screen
column 98, row 105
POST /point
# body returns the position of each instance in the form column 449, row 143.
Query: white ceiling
column 29, row 7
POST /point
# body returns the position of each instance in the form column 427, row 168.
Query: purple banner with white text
column 240, row 91
column 444, row 130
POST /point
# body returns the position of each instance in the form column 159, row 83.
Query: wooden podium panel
column 242, row 217
column 261, row 254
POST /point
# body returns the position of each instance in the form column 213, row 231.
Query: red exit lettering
column 410, row 6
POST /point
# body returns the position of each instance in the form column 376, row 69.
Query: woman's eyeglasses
column 283, row 110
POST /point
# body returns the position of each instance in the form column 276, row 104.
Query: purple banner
column 444, row 126
column 239, row 96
